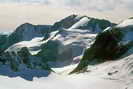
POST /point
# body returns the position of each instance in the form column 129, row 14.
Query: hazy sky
column 16, row 12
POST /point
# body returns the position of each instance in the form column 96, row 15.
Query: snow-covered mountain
column 101, row 50
column 71, row 41
column 48, row 44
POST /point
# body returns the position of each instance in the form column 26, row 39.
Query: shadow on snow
column 25, row 73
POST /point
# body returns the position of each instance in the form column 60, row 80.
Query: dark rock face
column 23, row 57
column 107, row 46
column 66, row 22
column 31, row 61
column 49, row 51
column 3, row 39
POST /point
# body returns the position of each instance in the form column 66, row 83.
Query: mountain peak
column 84, row 21
column 128, row 23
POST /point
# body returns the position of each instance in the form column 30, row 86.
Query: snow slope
column 102, row 76
column 65, row 82
column 34, row 45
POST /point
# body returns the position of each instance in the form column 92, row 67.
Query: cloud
column 49, row 11
column 99, row 5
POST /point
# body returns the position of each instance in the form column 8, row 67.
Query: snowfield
column 62, row 82
column 108, row 75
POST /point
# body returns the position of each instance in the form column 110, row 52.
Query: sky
column 16, row 12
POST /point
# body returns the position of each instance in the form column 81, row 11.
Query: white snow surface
column 82, row 22
column 33, row 45
column 125, row 23
column 108, row 75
